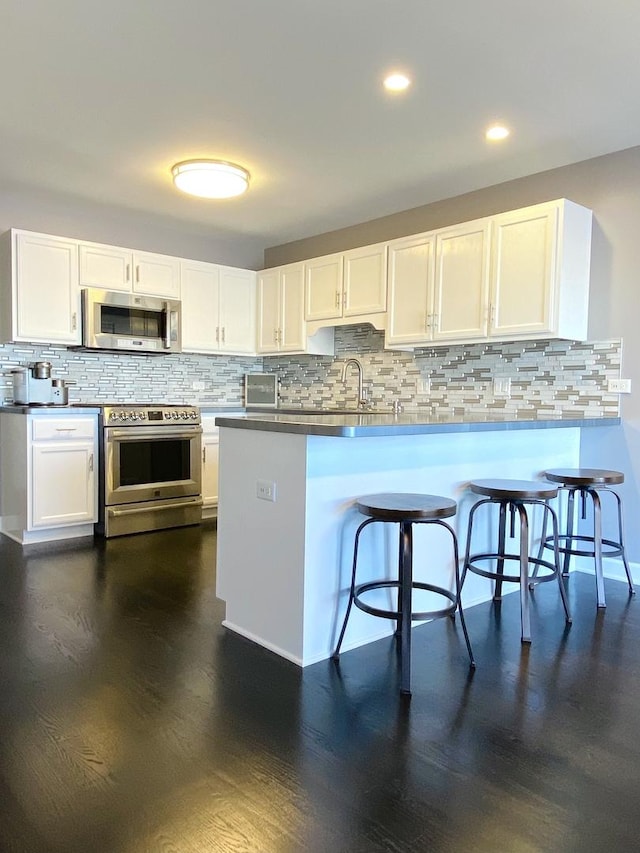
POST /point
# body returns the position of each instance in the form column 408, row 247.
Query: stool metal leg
column 502, row 525
column 406, row 581
column 524, row 574
column 597, row 546
column 569, row 538
column 559, row 574
column 456, row 563
column 623, row 553
column 352, row 590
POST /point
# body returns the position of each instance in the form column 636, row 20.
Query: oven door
column 151, row 464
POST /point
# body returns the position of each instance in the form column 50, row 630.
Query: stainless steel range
column 150, row 472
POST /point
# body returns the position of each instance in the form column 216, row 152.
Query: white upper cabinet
column 237, row 313
column 218, row 309
column 365, row 281
column 348, row 286
column 438, row 285
column 115, row 268
column 40, row 295
column 200, row 289
column 281, row 325
column 461, row 282
column 411, row 276
column 540, row 265
column 515, row 276
column 323, row 288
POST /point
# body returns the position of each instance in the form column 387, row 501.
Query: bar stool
column 591, row 482
column 515, row 496
column 405, row 510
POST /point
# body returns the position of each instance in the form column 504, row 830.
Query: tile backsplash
column 122, row 377
column 549, row 378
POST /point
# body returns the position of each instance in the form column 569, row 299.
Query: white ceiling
column 99, row 99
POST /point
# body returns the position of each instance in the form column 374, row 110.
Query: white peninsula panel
column 284, row 565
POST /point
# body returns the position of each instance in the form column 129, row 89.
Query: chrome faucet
column 362, row 399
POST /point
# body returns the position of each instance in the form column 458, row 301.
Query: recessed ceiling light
column 497, row 132
column 396, row 82
column 210, row 178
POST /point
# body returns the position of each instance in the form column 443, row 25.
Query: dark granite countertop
column 408, row 423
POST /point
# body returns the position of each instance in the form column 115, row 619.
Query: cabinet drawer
column 62, row 428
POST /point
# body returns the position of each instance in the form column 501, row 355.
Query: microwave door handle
column 167, row 325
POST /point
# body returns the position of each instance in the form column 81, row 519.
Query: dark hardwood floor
column 130, row 721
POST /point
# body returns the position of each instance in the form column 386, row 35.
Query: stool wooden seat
column 514, row 496
column 405, row 509
column 592, row 483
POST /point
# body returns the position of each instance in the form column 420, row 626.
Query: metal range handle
column 136, row 432
column 115, row 513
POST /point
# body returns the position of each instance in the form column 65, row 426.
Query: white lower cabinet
column 210, row 457
column 49, row 476
column 210, row 463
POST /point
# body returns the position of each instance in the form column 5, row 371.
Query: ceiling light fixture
column 210, row 178
column 396, row 82
column 497, row 132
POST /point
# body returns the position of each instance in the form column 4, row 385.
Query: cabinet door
column 365, row 280
column 268, row 298
column 46, row 289
column 523, row 274
column 63, row 485
column 237, row 311
column 210, row 457
column 106, row 267
column 292, row 325
column 411, row 271
column 462, row 282
column 156, row 275
column 200, row 298
column 323, row 288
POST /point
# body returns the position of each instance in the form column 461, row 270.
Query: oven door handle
column 178, row 431
column 115, row 513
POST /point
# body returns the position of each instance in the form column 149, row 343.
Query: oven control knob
column 192, row 415
column 175, row 415
column 184, row 415
column 141, row 416
column 113, row 416
column 167, row 416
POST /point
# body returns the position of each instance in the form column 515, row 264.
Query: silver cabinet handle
column 338, row 298
column 217, row 334
column 223, row 333
column 128, row 273
column 344, row 299
column 91, row 462
column 137, row 273
column 204, row 455
column 74, row 321
column 66, row 429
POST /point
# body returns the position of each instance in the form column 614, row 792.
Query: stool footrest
column 394, row 614
column 495, row 575
column 616, row 548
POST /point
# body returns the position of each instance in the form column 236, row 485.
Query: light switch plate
column 619, row 386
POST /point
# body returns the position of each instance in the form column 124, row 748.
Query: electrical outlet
column 619, row 386
column 266, row 490
column 198, row 385
column 502, row 386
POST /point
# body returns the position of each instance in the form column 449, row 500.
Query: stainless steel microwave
column 128, row 321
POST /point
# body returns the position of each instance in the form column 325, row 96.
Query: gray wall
column 610, row 186
column 78, row 218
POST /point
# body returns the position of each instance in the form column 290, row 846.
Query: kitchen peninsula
column 286, row 522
